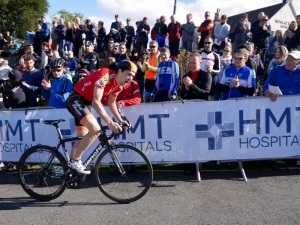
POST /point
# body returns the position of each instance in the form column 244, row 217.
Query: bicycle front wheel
column 41, row 172
column 133, row 183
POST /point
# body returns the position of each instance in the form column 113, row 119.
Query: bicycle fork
column 116, row 160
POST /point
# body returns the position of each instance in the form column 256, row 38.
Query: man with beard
column 32, row 79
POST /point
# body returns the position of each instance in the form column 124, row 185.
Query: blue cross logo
column 214, row 130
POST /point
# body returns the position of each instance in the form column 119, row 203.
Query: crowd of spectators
column 221, row 64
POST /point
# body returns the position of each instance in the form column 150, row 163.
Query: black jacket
column 200, row 88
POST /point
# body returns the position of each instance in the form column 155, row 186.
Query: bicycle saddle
column 53, row 122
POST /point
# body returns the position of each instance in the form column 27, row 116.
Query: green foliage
column 17, row 16
column 67, row 16
column 183, row 67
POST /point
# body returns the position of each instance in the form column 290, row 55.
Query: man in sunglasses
column 210, row 61
column 206, row 28
column 56, row 86
column 238, row 80
column 90, row 60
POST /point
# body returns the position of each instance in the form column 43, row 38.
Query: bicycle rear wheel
column 41, row 172
column 127, row 187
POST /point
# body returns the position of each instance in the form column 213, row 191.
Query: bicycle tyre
column 131, row 186
column 41, row 184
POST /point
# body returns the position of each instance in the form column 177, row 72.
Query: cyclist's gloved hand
column 115, row 127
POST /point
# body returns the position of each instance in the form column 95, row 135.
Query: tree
column 67, row 16
column 17, row 16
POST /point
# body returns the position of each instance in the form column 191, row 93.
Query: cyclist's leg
column 93, row 129
column 86, row 124
column 81, row 131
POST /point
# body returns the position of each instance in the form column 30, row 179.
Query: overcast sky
column 137, row 9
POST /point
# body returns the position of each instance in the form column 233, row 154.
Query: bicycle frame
column 104, row 140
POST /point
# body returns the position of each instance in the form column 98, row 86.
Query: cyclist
column 89, row 91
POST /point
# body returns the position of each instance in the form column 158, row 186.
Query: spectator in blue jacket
column 238, row 80
column 286, row 77
column 56, row 86
column 166, row 82
column 72, row 64
column 45, row 31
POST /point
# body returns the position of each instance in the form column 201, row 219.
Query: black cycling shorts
column 79, row 107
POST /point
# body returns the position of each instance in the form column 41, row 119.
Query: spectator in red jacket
column 206, row 29
column 174, row 36
column 130, row 95
column 153, row 31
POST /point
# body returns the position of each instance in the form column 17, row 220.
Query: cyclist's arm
column 97, row 105
column 113, row 107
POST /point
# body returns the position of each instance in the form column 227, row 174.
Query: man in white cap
column 284, row 77
column 287, row 78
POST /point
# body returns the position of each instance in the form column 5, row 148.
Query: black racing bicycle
column 123, row 173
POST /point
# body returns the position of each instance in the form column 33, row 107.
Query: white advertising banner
column 238, row 129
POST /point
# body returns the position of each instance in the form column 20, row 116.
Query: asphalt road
column 222, row 197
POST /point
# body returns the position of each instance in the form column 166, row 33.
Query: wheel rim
column 130, row 186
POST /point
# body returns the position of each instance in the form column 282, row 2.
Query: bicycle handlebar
column 124, row 126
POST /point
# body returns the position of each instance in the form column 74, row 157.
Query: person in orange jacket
column 205, row 28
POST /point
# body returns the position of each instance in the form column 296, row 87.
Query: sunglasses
column 81, row 76
column 238, row 58
column 207, row 43
column 115, row 48
column 265, row 20
column 144, row 53
column 225, row 50
column 153, row 46
column 244, row 17
column 56, row 70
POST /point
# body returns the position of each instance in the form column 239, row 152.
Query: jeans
column 160, row 40
column 100, row 46
column 61, row 46
column 174, row 46
column 69, row 46
column 141, row 87
column 187, row 45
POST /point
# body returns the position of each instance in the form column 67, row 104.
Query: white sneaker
column 78, row 166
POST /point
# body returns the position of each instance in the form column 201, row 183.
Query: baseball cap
column 84, row 71
column 207, row 13
column 127, row 65
column 88, row 43
column 145, row 18
column 87, row 21
column 295, row 54
column 224, row 17
column 116, row 45
column 128, row 19
column 15, row 75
